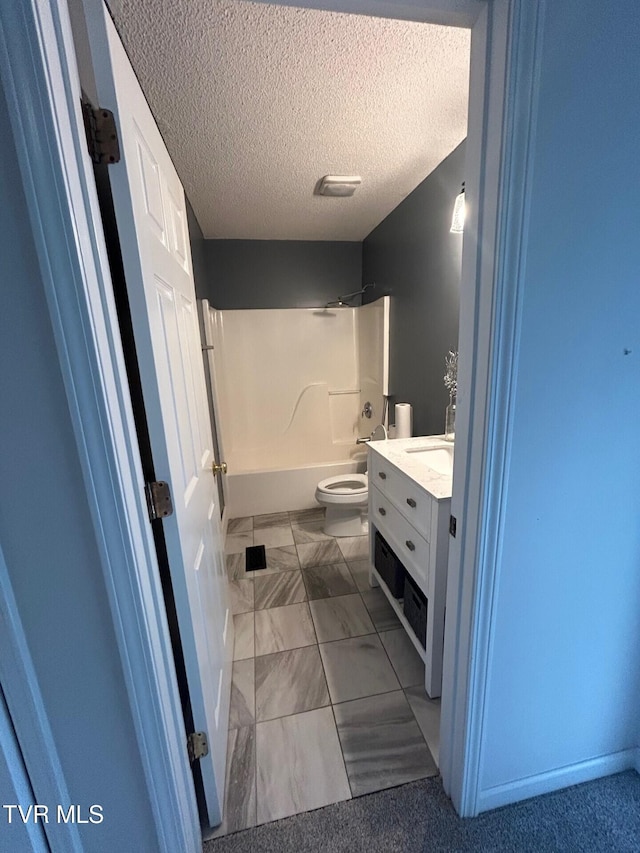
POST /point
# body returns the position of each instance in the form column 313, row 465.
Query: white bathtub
column 259, row 492
column 288, row 415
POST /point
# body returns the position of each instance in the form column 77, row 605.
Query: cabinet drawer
column 408, row 498
column 410, row 547
column 380, row 471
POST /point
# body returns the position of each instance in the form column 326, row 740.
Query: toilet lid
column 346, row 484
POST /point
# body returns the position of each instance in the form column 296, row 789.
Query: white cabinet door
column 152, row 224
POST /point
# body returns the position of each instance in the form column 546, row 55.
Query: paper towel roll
column 404, row 420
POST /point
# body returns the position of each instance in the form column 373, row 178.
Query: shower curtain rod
column 341, row 299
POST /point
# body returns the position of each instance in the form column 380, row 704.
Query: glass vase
column 450, row 420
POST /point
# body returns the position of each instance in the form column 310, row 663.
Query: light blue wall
column 48, row 542
column 564, row 684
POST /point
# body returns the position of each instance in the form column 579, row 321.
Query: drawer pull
column 411, row 502
column 382, row 475
column 382, row 510
column 410, row 545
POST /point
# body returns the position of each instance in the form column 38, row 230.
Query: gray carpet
column 596, row 817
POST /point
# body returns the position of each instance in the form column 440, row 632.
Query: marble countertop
column 414, row 464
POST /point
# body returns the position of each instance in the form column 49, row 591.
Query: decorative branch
column 451, row 372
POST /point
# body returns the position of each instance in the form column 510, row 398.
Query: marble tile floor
column 327, row 697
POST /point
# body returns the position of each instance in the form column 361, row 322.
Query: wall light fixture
column 457, row 223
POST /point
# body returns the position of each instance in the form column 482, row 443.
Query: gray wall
column 413, row 257
column 278, row 273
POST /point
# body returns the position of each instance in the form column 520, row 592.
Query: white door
column 152, row 225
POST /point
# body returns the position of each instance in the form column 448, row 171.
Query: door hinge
column 197, row 746
column 102, row 135
column 158, row 499
column 453, row 524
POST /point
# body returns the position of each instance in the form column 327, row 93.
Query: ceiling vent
column 338, row 185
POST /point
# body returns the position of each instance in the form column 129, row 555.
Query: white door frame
column 501, row 128
column 39, row 75
column 31, row 725
column 37, row 66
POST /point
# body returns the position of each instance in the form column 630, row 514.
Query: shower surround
column 290, row 386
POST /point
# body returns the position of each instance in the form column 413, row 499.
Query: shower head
column 341, row 302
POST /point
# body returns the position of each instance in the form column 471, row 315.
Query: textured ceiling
column 257, row 102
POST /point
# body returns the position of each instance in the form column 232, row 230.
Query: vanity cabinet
column 414, row 521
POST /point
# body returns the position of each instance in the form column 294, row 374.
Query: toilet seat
column 348, row 485
column 343, row 489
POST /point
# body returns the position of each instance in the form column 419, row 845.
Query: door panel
column 152, row 226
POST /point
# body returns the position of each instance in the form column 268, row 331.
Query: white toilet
column 345, row 498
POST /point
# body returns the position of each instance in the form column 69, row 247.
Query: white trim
column 489, row 325
column 513, row 30
column 29, row 717
column 554, row 780
column 39, row 75
column 488, row 352
column 523, row 35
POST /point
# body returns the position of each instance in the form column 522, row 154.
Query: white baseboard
column 554, row 780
